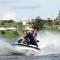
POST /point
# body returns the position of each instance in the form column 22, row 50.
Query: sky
column 27, row 9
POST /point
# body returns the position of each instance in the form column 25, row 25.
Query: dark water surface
column 45, row 57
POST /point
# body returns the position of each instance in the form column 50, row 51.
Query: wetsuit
column 31, row 39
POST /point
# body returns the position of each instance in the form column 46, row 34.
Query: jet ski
column 21, row 48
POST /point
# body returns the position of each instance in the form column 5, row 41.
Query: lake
column 49, row 45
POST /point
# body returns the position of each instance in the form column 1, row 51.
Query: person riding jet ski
column 30, row 38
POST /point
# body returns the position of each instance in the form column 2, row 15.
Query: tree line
column 37, row 23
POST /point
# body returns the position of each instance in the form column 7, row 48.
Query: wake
column 49, row 42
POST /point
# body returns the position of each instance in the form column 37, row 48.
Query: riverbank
column 14, row 34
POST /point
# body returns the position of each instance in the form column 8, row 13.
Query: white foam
column 49, row 42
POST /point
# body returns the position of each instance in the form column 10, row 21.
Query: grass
column 9, row 34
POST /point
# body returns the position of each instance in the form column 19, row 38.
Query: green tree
column 37, row 23
column 49, row 21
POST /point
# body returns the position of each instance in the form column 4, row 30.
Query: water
column 49, row 42
column 49, row 45
column 45, row 57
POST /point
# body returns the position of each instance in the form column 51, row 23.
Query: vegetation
column 36, row 23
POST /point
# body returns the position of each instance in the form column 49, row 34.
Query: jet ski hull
column 24, row 49
column 30, row 46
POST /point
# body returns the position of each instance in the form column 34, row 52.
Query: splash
column 4, row 47
column 8, row 49
column 49, row 42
